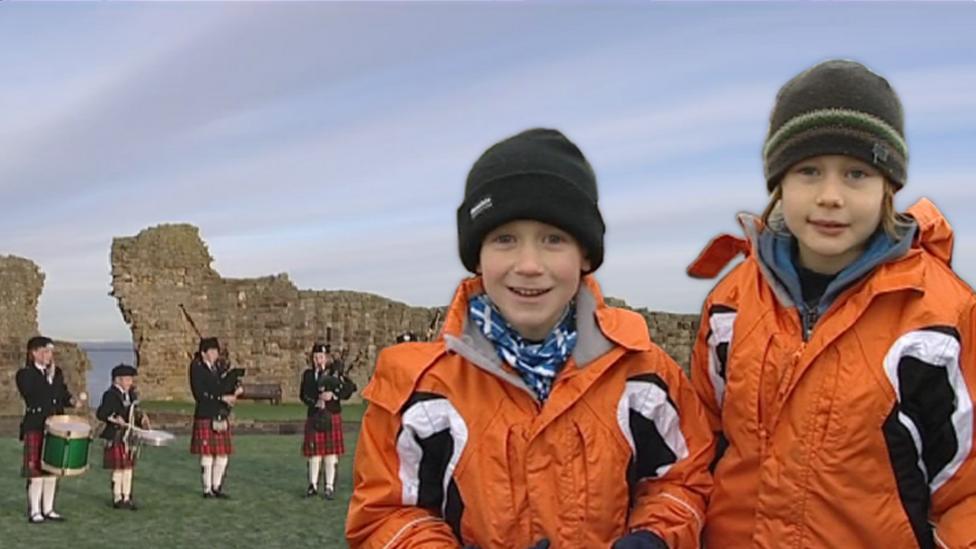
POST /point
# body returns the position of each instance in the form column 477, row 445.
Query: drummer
column 41, row 385
column 118, row 411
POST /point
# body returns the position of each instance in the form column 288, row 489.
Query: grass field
column 266, row 480
column 256, row 411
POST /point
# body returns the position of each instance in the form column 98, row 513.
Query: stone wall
column 267, row 324
column 675, row 333
column 21, row 283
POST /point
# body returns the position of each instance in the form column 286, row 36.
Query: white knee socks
column 50, row 487
column 117, row 486
column 35, row 487
column 314, row 468
column 206, row 471
column 331, row 463
column 220, row 467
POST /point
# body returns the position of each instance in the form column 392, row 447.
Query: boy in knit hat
column 836, row 360
column 118, row 408
column 541, row 417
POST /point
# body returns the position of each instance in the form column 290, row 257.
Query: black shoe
column 311, row 492
column 53, row 516
column 120, row 504
column 219, row 494
column 329, row 493
column 208, row 495
column 36, row 519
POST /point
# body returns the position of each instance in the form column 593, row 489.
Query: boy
column 835, row 361
column 116, row 410
column 541, row 417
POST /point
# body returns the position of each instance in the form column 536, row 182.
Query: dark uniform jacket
column 116, row 402
column 316, row 381
column 207, row 388
column 42, row 398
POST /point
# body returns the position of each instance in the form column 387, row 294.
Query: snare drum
column 66, row 443
column 154, row 437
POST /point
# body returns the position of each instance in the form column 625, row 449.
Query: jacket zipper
column 808, row 319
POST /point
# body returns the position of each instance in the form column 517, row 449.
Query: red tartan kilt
column 205, row 441
column 115, row 457
column 322, row 443
column 33, row 440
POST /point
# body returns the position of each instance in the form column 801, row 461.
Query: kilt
column 117, row 458
column 207, row 442
column 33, row 440
column 322, row 443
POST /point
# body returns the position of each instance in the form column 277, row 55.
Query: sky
column 331, row 141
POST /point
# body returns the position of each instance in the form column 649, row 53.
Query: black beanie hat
column 837, row 107
column 38, row 342
column 124, row 370
column 538, row 174
column 321, row 348
column 208, row 343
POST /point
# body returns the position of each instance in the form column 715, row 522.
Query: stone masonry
column 21, row 282
column 267, row 324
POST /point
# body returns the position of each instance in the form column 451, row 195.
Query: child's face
column 531, row 271
column 832, row 204
column 43, row 356
column 320, row 359
column 211, row 356
column 124, row 381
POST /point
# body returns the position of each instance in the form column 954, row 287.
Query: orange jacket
column 860, row 436
column 454, row 449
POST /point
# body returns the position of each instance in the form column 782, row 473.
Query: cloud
column 332, row 141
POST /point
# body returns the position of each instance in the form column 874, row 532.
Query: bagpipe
column 334, row 381
column 429, row 335
column 329, row 383
column 322, row 416
column 230, row 378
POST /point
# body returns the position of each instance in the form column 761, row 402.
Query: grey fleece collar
column 590, row 343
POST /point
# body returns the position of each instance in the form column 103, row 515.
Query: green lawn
column 257, row 411
column 266, row 480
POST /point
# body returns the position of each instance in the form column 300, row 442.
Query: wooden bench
column 262, row 391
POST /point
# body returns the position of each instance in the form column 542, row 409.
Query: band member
column 323, row 386
column 211, row 438
column 41, row 385
column 119, row 412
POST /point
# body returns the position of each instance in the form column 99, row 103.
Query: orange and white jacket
column 455, row 451
column 858, row 433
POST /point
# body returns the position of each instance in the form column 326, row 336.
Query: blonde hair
column 893, row 223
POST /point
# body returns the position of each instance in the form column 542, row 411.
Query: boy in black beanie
column 541, row 417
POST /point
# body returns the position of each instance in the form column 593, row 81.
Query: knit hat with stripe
column 837, row 107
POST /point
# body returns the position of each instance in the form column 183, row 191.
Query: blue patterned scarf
column 537, row 363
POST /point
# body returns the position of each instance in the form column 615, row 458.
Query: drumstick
column 133, row 427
